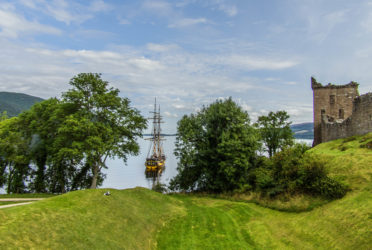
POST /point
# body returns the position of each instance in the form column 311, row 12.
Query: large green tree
column 275, row 131
column 40, row 127
column 216, row 148
column 14, row 157
column 62, row 145
column 102, row 125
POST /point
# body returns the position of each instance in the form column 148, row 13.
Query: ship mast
column 155, row 161
column 156, row 139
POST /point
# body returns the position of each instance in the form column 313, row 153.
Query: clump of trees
column 62, row 144
column 218, row 150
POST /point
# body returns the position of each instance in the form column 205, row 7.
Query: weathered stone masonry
column 340, row 112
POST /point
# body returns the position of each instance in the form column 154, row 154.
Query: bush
column 315, row 180
column 286, row 166
column 159, row 187
column 292, row 171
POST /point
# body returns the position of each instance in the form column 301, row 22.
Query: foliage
column 159, row 187
column 314, row 179
column 216, row 149
column 62, row 145
column 103, row 124
column 292, row 171
column 275, row 131
column 14, row 158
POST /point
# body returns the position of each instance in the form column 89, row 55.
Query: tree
column 14, row 157
column 62, row 145
column 40, row 127
column 216, row 149
column 275, row 131
column 102, row 125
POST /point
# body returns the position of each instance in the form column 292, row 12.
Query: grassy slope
column 342, row 224
column 142, row 219
column 89, row 220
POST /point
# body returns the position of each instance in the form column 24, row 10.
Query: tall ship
column 155, row 160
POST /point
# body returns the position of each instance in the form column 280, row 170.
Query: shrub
column 159, row 187
column 292, row 171
column 315, row 181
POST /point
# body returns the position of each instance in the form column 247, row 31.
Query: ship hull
column 154, row 164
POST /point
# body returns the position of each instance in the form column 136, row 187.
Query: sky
column 189, row 53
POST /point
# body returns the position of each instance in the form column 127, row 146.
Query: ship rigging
column 155, row 160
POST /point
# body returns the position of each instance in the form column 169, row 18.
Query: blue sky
column 189, row 53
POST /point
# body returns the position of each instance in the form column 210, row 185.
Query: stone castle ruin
column 339, row 111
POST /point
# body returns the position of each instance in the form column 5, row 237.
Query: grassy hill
column 15, row 103
column 142, row 219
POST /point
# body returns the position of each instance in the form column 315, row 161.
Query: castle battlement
column 339, row 111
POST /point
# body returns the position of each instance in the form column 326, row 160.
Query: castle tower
column 334, row 102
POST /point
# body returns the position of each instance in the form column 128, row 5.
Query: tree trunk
column 95, row 176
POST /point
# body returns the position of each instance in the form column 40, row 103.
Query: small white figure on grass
column 107, row 193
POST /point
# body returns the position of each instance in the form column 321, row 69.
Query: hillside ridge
column 14, row 103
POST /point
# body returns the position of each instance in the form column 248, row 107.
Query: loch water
column 132, row 174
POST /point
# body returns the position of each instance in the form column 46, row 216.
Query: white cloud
column 68, row 11
column 29, row 3
column 64, row 12
column 230, row 10
column 124, row 21
column 178, row 106
column 184, row 22
column 12, row 25
column 161, row 47
column 256, row 63
column 158, row 7
column 100, row 5
column 170, row 115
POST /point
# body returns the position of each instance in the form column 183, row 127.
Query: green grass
column 89, row 220
column 143, row 219
column 340, row 224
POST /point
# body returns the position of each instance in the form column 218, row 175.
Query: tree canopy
column 216, row 148
column 102, row 125
column 62, row 145
column 275, row 131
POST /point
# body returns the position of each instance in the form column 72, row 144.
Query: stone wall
column 359, row 123
column 332, row 101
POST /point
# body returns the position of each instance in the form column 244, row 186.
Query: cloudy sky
column 189, row 53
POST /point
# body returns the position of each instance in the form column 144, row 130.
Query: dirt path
column 15, row 204
column 27, row 201
column 21, row 199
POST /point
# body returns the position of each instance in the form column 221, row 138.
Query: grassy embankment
column 141, row 219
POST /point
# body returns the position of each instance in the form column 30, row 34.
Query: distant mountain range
column 303, row 130
column 15, row 103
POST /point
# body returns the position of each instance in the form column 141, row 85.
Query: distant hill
column 303, row 130
column 15, row 103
